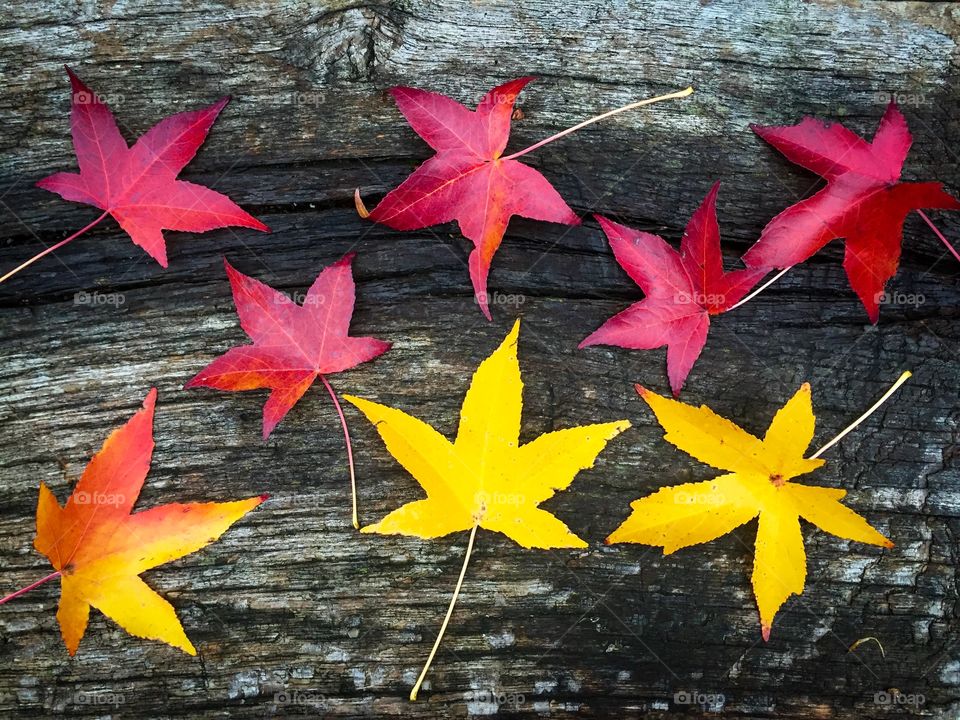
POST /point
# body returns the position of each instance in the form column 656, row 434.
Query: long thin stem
column 446, row 620
column 939, row 234
column 30, row 587
column 760, row 289
column 598, row 118
column 50, row 249
column 346, row 436
column 873, row 408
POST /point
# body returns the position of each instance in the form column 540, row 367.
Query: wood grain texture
column 293, row 612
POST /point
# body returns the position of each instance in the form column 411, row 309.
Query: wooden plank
column 296, row 614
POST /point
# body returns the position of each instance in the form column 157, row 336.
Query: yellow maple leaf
column 757, row 483
column 486, row 478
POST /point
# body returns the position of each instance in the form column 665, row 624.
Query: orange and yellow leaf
column 100, row 546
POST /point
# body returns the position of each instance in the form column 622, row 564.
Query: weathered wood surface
column 292, row 600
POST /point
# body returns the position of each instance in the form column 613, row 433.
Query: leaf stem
column 760, row 289
column 863, row 640
column 358, row 204
column 597, row 118
column 50, row 249
column 873, row 408
column 939, row 234
column 446, row 620
column 30, row 587
column 346, row 436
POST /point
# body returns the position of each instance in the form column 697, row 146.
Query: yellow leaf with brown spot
column 759, row 482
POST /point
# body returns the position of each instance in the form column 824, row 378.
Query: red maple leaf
column 683, row 289
column 864, row 201
column 138, row 185
column 468, row 180
column 293, row 344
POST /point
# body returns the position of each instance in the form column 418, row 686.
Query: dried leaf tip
column 358, row 203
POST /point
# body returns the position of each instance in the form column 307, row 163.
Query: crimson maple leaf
column 138, row 185
column 293, row 344
column 864, row 201
column 683, row 289
column 468, row 180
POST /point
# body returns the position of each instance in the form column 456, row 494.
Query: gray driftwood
column 294, row 613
